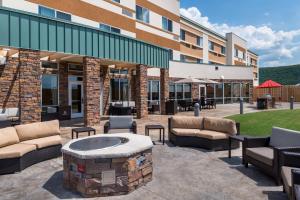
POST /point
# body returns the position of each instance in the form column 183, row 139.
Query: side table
column 156, row 127
column 82, row 130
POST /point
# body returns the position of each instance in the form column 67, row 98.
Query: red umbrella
column 269, row 84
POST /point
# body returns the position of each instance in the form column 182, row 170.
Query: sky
column 271, row 27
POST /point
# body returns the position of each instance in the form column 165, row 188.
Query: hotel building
column 74, row 58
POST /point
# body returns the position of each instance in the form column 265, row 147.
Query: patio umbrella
column 190, row 80
column 208, row 81
column 269, row 84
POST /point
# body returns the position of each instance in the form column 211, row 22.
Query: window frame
column 57, row 88
column 144, row 10
column 169, row 24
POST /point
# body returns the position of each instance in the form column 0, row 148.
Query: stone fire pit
column 105, row 165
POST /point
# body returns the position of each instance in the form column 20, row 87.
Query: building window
column 49, row 65
column 182, row 58
column 167, row 24
column 187, row 91
column 200, row 61
column 200, row 41
column 119, row 89
column 127, row 13
column 171, row 54
column 153, row 90
column 118, row 71
column 62, row 15
column 223, row 50
column 49, row 90
column 75, row 67
column 211, row 46
column 182, row 34
column 47, row 12
column 118, row 1
column 172, row 94
column 108, row 28
column 142, row 14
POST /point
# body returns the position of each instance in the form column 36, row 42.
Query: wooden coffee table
column 156, row 127
column 82, row 130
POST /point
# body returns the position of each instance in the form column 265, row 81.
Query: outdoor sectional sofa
column 24, row 145
column 203, row 132
column 265, row 152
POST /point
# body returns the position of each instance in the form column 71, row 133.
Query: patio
column 179, row 173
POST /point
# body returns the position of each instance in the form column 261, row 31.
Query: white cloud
column 268, row 42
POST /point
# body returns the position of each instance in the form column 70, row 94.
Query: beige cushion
column 15, row 150
column 38, row 130
column 44, row 142
column 185, row 132
column 221, row 125
column 286, row 173
column 262, row 154
column 8, row 136
column 213, row 135
column 187, row 122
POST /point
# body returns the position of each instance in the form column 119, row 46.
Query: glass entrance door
column 76, row 99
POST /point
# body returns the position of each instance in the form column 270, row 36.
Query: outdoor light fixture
column 112, row 66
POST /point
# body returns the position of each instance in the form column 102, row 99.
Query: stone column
column 30, row 86
column 164, row 89
column 106, row 87
column 9, row 84
column 91, row 86
column 141, row 92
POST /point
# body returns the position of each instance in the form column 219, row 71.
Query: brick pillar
column 91, row 85
column 64, row 110
column 30, row 86
column 164, row 89
column 106, row 87
column 9, row 84
column 141, row 92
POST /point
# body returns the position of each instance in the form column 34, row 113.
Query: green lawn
column 261, row 123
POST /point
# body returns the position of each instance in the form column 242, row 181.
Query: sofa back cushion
column 284, row 138
column 186, row 122
column 38, row 130
column 221, row 125
column 8, row 136
column 120, row 122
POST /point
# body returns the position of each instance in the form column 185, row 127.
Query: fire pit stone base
column 107, row 176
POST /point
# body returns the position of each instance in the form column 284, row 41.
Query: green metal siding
column 19, row 29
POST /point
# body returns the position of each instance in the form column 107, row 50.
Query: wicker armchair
column 265, row 152
column 290, row 173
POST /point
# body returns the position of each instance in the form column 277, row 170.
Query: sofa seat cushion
column 38, row 130
column 286, row 174
column 262, row 154
column 221, row 125
column 8, row 136
column 44, row 142
column 187, row 122
column 16, row 150
column 186, row 132
column 212, row 135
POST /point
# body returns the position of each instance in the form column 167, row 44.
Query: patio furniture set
column 24, row 145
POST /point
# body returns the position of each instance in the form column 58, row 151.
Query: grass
column 261, row 123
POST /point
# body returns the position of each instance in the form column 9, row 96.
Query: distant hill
column 285, row 75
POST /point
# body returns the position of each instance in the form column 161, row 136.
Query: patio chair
column 265, row 152
column 290, row 173
column 119, row 124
